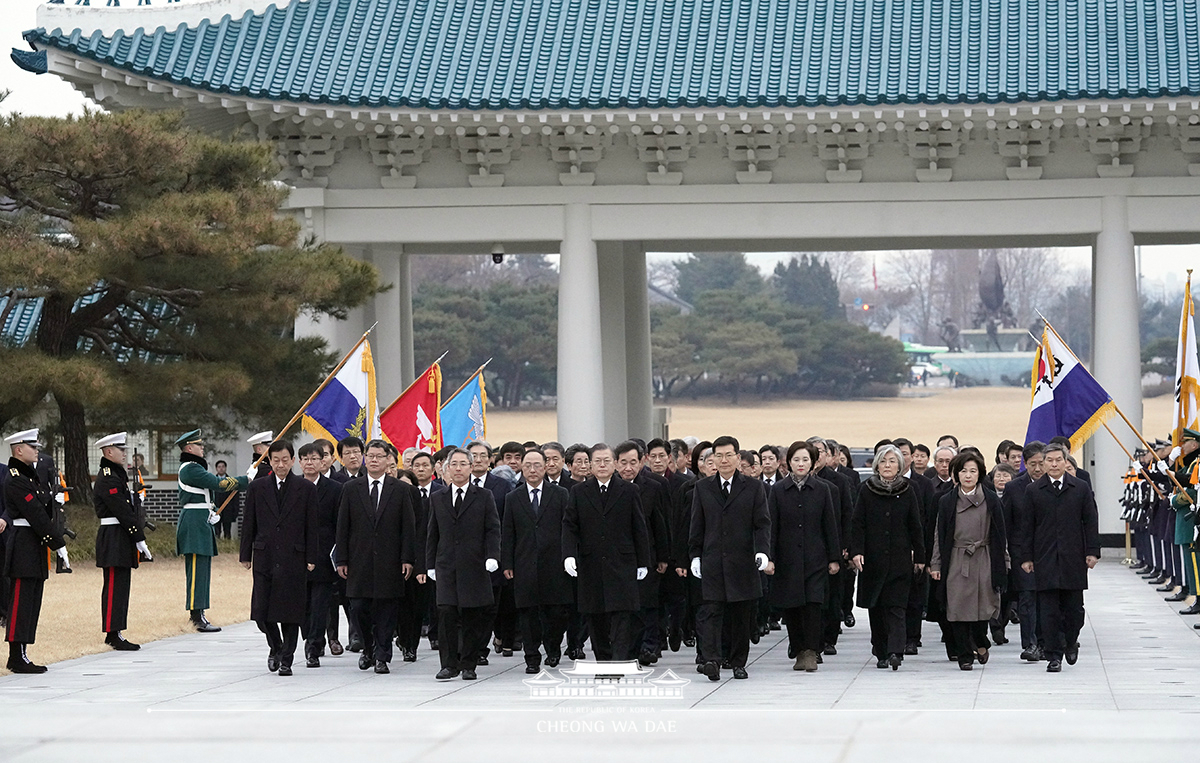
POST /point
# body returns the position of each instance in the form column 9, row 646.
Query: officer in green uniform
column 194, row 537
column 1184, row 463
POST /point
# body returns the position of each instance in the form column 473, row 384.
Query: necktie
column 603, row 489
column 536, row 507
column 424, row 493
column 476, row 482
column 458, row 498
column 725, row 489
column 375, row 494
column 1057, row 486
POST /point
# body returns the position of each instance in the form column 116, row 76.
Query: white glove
column 213, row 517
column 252, row 472
column 642, row 573
column 1175, row 453
column 1161, row 466
column 761, row 561
column 432, row 574
column 696, row 566
column 569, row 566
column 491, row 565
column 141, row 546
column 62, row 554
column 61, row 498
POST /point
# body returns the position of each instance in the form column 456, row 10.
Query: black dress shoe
column 699, row 660
column 201, row 623
column 726, row 664
column 998, row 637
column 910, row 648
column 433, row 644
column 25, row 667
column 285, row 670
column 881, row 663
column 792, row 652
column 674, row 639
column 1158, row 580
column 507, row 653
column 689, row 642
column 532, row 669
column 355, row 645
column 829, row 649
column 894, row 661
column 468, row 675
column 712, row 669
column 335, row 647
column 740, row 673
column 849, row 620
column 272, row 663
column 755, row 636
column 381, row 668
column 552, row 662
column 410, row 655
column 365, row 662
column 1071, row 655
column 482, row 661
column 119, row 643
column 645, row 659
column 312, row 662
column 1192, row 610
column 774, row 626
column 1181, row 596
column 1054, row 666
column 445, row 674
column 1169, row 586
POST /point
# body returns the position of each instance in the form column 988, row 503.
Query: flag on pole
column 347, row 406
column 464, row 415
column 1066, row 400
column 1187, row 371
column 412, row 420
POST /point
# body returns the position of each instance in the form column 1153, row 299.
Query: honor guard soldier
column 260, row 442
column 120, row 540
column 31, row 509
column 194, row 538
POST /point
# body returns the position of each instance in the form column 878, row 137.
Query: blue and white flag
column 464, row 416
column 347, row 406
column 1067, row 401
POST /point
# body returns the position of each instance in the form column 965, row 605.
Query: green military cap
column 1190, row 434
column 189, row 438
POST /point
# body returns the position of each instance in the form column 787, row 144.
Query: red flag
column 413, row 420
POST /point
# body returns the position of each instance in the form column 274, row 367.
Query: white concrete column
column 391, row 335
column 639, row 386
column 580, row 365
column 611, row 256
column 408, row 368
column 1116, row 353
column 346, row 333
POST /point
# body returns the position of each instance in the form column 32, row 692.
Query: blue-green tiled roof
column 559, row 54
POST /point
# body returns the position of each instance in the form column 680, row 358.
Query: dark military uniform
column 31, row 545
column 116, row 543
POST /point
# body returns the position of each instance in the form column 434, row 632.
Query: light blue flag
column 464, row 416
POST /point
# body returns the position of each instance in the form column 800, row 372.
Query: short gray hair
column 953, row 451
column 1056, row 447
column 883, row 451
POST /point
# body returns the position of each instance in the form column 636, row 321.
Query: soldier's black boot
column 19, row 662
column 201, row 623
column 118, row 642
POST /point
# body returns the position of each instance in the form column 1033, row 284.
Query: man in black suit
column 531, row 557
column 1059, row 541
column 280, row 542
column 418, row 590
column 605, row 544
column 503, row 617
column 918, row 592
column 672, row 587
column 842, row 494
column 556, row 462
column 652, row 491
column 320, row 579
column 461, row 550
column 376, row 537
column 350, row 452
column 729, row 538
column 1017, row 515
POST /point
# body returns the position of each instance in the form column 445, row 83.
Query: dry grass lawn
column 982, row 416
column 70, row 622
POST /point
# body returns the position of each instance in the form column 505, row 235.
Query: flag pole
column 307, row 402
column 414, row 381
column 1120, row 413
column 478, row 371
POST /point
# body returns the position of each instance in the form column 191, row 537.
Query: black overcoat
column 607, row 536
column 459, row 543
column 727, row 534
column 656, row 508
column 804, row 540
column 531, row 546
column 923, row 487
column 116, row 545
column 886, row 531
column 280, row 538
column 1061, row 530
column 375, row 545
column 27, row 497
column 329, row 498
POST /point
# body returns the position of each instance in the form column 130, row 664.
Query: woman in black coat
column 886, row 547
column 806, row 551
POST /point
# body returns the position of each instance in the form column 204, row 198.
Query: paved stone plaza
column 211, row 697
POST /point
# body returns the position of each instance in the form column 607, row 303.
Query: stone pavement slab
column 1134, row 690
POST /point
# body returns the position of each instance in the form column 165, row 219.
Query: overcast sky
column 48, row 95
